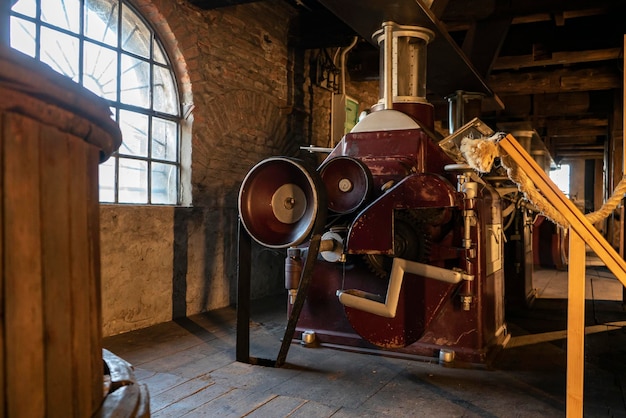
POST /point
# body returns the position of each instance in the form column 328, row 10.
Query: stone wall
column 252, row 98
column 233, row 64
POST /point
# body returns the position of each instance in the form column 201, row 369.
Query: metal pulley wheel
column 279, row 200
column 348, row 183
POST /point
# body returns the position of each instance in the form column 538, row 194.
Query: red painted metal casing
column 409, row 177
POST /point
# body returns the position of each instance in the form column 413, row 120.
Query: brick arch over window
column 156, row 13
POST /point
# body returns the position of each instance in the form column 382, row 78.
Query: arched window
column 107, row 47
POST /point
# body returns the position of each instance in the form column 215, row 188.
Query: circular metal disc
column 289, row 203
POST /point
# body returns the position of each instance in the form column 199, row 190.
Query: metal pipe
column 333, row 94
column 470, row 190
column 343, row 63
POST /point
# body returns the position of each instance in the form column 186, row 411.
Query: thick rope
column 480, row 155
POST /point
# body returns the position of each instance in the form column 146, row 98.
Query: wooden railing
column 581, row 231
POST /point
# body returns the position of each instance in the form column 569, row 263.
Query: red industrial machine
column 394, row 246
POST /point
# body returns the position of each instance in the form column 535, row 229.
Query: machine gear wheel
column 410, row 243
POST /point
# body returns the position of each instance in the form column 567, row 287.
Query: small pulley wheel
column 348, row 183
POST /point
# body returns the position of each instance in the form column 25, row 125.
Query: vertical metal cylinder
column 387, row 65
column 463, row 107
column 293, row 271
column 402, row 63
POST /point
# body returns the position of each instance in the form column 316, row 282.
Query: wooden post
column 575, row 325
column 581, row 232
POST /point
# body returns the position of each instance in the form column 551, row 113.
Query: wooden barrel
column 53, row 135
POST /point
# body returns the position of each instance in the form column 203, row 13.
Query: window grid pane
column 101, row 21
column 23, row 36
column 164, row 91
column 60, row 51
column 130, row 70
column 106, row 171
column 133, row 181
column 26, row 7
column 64, row 14
column 164, row 176
column 136, row 36
column 164, row 140
column 135, row 82
column 100, row 70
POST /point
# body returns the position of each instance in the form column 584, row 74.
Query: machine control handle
column 370, row 303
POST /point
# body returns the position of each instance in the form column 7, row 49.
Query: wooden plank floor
column 190, row 369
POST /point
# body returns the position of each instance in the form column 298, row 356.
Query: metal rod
column 388, row 65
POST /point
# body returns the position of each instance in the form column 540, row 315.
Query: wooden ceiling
column 558, row 68
column 555, row 65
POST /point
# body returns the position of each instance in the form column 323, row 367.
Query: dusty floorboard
column 190, row 369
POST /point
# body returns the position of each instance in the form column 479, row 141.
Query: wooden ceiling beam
column 572, row 105
column 578, row 123
column 575, row 131
column 579, row 155
column 558, row 81
column 558, row 58
column 459, row 25
column 578, row 141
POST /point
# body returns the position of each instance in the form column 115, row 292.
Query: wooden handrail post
column 581, row 232
column 575, row 326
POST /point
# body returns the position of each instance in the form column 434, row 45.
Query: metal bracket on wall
column 326, row 73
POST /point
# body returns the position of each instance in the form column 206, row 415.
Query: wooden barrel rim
column 33, row 89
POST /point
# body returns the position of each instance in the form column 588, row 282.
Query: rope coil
column 480, row 155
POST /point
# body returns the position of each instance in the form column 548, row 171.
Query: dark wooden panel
column 55, row 212
column 22, row 270
column 483, row 41
column 95, row 300
column 80, row 257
